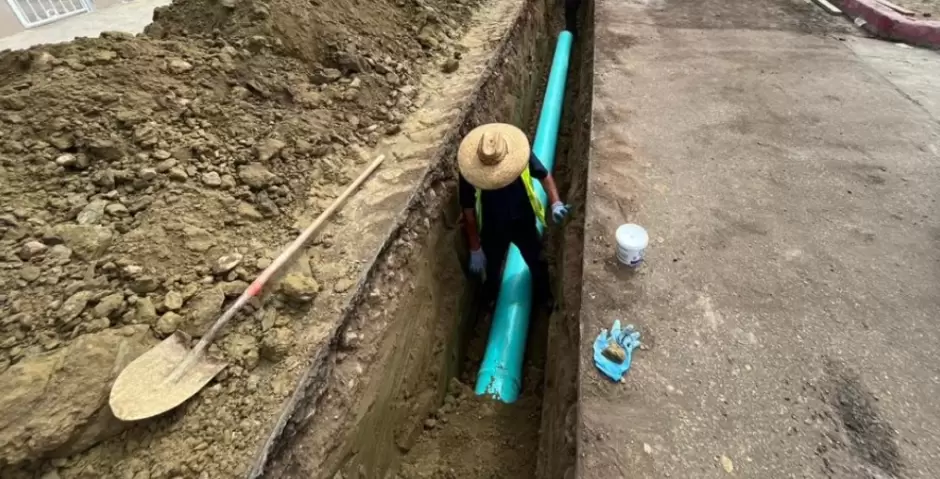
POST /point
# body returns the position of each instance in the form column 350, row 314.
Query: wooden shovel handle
column 258, row 284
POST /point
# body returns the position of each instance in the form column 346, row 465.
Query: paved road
column 788, row 172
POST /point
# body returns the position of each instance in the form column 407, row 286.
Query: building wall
column 9, row 24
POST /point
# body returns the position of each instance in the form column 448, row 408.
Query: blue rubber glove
column 477, row 261
column 559, row 211
column 626, row 338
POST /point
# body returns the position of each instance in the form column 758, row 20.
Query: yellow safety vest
column 530, row 191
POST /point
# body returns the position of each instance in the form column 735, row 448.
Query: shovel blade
column 144, row 388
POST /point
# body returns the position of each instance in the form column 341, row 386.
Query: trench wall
column 557, row 440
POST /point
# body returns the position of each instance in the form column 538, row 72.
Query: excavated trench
column 392, row 397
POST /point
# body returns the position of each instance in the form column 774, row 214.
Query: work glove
column 613, row 351
column 477, row 261
column 559, row 211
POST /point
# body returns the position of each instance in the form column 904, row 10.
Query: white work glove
column 559, row 211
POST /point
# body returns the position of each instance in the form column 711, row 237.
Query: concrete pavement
column 790, row 301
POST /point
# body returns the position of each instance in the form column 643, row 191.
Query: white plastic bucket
column 632, row 241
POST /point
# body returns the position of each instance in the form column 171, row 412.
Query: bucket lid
column 632, row 236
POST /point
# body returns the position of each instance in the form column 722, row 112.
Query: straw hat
column 492, row 156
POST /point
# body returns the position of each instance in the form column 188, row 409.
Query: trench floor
column 474, row 437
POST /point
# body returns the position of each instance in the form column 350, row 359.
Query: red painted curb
column 887, row 23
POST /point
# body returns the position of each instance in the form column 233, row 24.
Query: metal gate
column 33, row 13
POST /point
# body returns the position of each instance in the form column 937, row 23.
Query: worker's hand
column 477, row 261
column 559, row 211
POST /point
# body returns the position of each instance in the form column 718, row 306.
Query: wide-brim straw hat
column 492, row 156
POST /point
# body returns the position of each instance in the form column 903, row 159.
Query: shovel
column 170, row 373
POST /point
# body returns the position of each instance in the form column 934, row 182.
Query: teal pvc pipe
column 500, row 373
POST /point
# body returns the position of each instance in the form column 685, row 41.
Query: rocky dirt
column 144, row 181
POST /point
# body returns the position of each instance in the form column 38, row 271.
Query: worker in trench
column 500, row 205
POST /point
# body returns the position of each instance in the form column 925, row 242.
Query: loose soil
column 144, row 181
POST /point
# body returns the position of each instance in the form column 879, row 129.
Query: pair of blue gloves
column 478, row 259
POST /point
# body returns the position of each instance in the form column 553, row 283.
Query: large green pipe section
column 500, row 373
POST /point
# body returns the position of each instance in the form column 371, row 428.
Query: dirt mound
column 337, row 33
column 152, row 171
column 144, row 181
